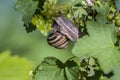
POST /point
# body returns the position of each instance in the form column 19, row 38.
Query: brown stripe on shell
column 58, row 40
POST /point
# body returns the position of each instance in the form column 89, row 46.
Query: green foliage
column 99, row 40
column 116, row 73
column 52, row 8
column 104, row 78
column 13, row 67
column 79, row 12
column 47, row 9
column 41, row 24
column 53, row 69
column 103, row 10
column 27, row 8
column 67, row 2
column 100, row 44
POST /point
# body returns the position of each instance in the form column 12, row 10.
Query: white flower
column 90, row 2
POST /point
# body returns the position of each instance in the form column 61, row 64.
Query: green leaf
column 43, row 25
column 116, row 75
column 79, row 12
column 67, row 2
column 49, row 8
column 27, row 8
column 99, row 44
column 53, row 69
column 102, row 11
column 52, row 8
column 104, row 78
column 76, row 2
column 13, row 67
column 29, row 27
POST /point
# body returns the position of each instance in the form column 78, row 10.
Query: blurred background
column 13, row 37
